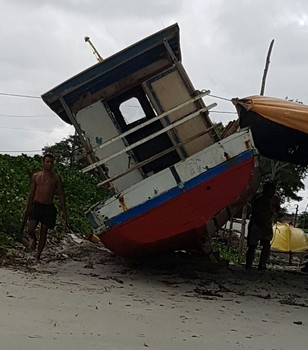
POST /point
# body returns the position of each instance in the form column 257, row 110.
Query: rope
column 226, row 112
column 219, row 97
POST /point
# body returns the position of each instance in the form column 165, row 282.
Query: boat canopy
column 144, row 58
column 279, row 127
column 290, row 114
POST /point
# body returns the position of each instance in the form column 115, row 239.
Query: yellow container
column 93, row 238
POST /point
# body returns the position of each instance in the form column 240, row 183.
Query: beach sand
column 99, row 301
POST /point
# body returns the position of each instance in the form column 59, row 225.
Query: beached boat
column 279, row 127
column 172, row 181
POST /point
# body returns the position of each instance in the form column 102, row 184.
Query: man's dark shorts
column 46, row 214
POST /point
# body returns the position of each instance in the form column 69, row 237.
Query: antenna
column 95, row 52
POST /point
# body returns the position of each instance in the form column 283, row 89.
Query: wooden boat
column 172, row 181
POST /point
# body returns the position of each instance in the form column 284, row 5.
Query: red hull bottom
column 177, row 224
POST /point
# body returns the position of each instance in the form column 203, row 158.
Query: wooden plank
column 165, row 99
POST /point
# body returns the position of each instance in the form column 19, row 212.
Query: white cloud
column 224, row 46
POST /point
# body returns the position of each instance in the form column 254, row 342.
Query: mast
column 95, row 52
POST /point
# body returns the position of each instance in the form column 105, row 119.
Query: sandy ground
column 94, row 300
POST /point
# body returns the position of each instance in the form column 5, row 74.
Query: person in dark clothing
column 305, row 265
column 260, row 228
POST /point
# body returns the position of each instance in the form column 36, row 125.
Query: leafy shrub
column 229, row 253
column 15, row 175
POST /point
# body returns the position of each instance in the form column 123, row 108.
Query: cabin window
column 131, row 110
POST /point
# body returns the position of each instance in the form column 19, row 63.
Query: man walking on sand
column 40, row 208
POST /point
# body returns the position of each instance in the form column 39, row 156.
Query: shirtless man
column 40, row 208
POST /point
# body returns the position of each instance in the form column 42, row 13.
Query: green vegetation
column 15, row 173
column 288, row 177
column 15, row 176
column 81, row 190
column 229, row 253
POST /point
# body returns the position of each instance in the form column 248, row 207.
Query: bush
column 15, row 176
column 229, row 253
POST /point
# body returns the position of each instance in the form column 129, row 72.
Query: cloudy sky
column 224, row 45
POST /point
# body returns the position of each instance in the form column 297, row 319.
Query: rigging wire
column 31, row 151
column 40, row 130
column 224, row 112
column 36, row 116
column 26, row 116
column 19, row 95
column 220, row 98
column 38, row 97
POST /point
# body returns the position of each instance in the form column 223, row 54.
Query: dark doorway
column 129, row 121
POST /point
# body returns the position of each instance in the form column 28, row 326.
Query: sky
column 224, row 44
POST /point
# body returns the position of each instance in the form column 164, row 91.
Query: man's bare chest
column 46, row 181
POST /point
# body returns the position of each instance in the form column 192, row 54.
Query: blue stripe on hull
column 176, row 191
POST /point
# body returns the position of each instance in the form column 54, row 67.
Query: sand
column 105, row 302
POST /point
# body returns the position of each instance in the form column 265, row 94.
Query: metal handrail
column 140, row 142
column 152, row 120
column 156, row 156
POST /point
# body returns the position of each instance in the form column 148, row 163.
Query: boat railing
column 156, row 156
column 152, row 120
column 165, row 129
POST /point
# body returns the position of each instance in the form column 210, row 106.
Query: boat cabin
column 136, row 112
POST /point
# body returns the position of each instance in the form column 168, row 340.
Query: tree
column 288, row 177
column 303, row 221
column 67, row 151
